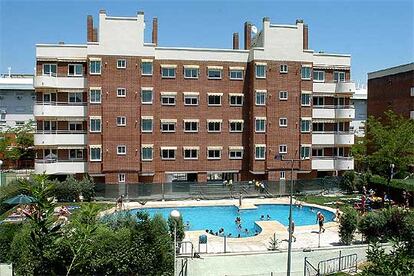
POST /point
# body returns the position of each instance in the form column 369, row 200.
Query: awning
column 235, row 147
column 192, row 66
column 191, row 93
column 215, row 67
column 236, row 68
column 168, row 93
column 168, row 66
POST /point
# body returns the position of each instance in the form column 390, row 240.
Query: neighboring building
column 391, row 89
column 17, row 97
column 126, row 111
column 359, row 101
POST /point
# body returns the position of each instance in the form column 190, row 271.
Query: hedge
column 407, row 184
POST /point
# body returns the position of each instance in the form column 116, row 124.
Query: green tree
column 347, row 225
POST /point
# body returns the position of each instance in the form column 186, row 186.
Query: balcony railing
column 61, row 131
column 333, row 112
column 60, row 109
column 59, row 82
column 332, row 138
column 332, row 163
column 61, row 103
column 53, row 166
column 346, row 87
column 60, row 137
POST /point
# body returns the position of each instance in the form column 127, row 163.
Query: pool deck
column 306, row 236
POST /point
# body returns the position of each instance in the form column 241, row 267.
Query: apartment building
column 359, row 101
column 391, row 89
column 125, row 111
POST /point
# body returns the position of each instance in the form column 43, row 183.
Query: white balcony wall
column 333, row 113
column 45, row 110
column 60, row 139
column 333, row 138
column 61, row 167
column 59, row 82
column 332, row 163
column 334, row 87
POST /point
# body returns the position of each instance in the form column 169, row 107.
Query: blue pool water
column 216, row 217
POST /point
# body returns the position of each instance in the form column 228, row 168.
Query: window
column 283, row 68
column 191, row 72
column 339, row 101
column 306, row 73
column 319, row 76
column 236, row 99
column 121, row 121
column 260, row 71
column 260, row 124
column 214, row 99
column 49, row 70
column 121, row 92
column 236, row 125
column 167, row 126
column 305, row 125
column 339, row 76
column 214, row 73
column 260, row 152
column 235, row 152
column 305, row 152
column 75, row 154
column 75, row 97
column 121, row 178
column 340, row 152
column 147, row 152
column 95, row 153
column 146, row 95
column 95, row 124
column 146, row 124
column 318, row 101
column 95, row 67
column 282, row 175
column 75, row 70
column 236, row 74
column 167, row 99
column 190, row 99
column 260, row 98
column 75, row 126
column 95, row 96
column 121, row 63
column 282, row 148
column 318, row 126
column 214, row 125
column 412, row 92
column 340, row 126
column 168, row 153
column 283, row 122
column 213, row 152
column 283, row 95
column 317, row 152
column 121, row 150
column 146, row 68
column 19, row 123
column 190, row 153
column 305, row 99
column 168, row 72
column 190, row 126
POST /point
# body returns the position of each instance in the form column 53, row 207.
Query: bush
column 7, row 233
column 348, row 182
column 70, row 189
column 348, row 225
column 372, row 226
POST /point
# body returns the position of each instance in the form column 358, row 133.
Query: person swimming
column 268, row 217
column 262, row 217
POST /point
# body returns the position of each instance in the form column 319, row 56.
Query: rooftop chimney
column 305, row 37
column 235, row 41
column 155, row 31
column 89, row 28
column 95, row 35
column 247, row 35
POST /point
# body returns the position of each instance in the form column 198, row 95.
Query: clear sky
column 378, row 34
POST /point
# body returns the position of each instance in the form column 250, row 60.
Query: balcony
column 60, row 166
column 333, row 112
column 332, row 163
column 332, row 138
column 59, row 109
column 59, row 82
column 334, row 87
column 60, row 138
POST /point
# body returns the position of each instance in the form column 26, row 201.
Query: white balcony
column 67, row 138
column 332, row 138
column 333, row 112
column 334, row 87
column 59, row 82
column 60, row 167
column 332, row 163
column 54, row 109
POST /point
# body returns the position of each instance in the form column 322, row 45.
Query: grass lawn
column 321, row 200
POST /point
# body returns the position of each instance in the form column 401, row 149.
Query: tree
column 347, row 225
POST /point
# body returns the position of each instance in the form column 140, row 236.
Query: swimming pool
column 217, row 217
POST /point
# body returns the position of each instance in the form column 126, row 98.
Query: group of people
column 259, row 186
column 262, row 217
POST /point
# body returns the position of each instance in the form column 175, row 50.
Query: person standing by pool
column 320, row 218
column 293, row 230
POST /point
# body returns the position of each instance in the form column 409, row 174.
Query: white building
column 359, row 101
column 17, row 98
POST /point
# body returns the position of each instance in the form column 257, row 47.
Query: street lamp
column 175, row 214
column 1, row 173
column 390, row 176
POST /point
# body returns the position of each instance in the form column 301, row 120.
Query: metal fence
column 212, row 190
column 333, row 265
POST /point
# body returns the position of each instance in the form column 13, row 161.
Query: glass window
column 235, row 154
column 236, row 126
column 260, row 125
column 190, row 126
column 214, row 73
column 339, row 76
column 75, row 70
column 146, row 125
column 95, row 125
column 236, row 100
column 318, row 126
column 282, row 148
column 213, row 154
column 49, row 70
column 317, row 152
column 121, row 150
column 191, row 73
column 121, row 63
column 121, row 92
column 146, row 96
column 283, row 122
column 75, row 97
column 95, row 153
column 319, row 76
column 260, row 152
column 147, row 154
column 214, row 126
column 283, row 68
column 167, row 154
column 214, row 100
column 167, row 127
column 318, row 101
column 121, row 121
column 121, row 177
column 236, row 74
column 168, row 99
column 95, row 96
column 339, row 101
column 260, row 98
column 75, row 126
column 283, row 95
column 75, row 154
column 306, row 73
column 95, row 67
column 146, row 68
column 168, row 73
column 282, row 175
column 190, row 100
column 190, row 154
column 305, row 99
column 305, row 125
column 304, row 152
column 260, row 71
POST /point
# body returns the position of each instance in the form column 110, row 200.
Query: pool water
column 217, row 217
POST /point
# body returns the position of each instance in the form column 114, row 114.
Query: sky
column 378, row 34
